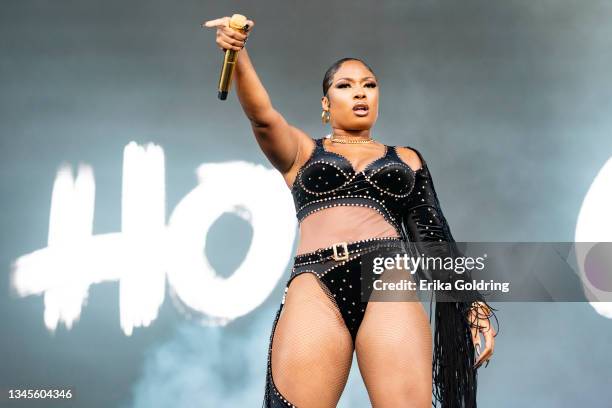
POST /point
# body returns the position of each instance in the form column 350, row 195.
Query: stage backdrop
column 137, row 272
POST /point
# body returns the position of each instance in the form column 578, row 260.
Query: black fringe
column 454, row 377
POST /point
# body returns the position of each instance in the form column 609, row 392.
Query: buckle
column 345, row 253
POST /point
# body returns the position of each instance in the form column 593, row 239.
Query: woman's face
column 352, row 98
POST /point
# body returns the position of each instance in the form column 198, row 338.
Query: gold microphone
column 237, row 22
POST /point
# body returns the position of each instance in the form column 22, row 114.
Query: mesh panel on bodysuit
column 342, row 223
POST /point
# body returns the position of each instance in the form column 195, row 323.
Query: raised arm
column 284, row 145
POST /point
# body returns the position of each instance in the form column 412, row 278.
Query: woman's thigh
column 394, row 353
column 312, row 349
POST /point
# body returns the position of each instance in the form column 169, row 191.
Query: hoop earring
column 325, row 117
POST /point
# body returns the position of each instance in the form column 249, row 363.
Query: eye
column 369, row 84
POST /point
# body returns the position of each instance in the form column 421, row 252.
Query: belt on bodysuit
column 341, row 251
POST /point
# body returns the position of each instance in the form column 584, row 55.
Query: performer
column 353, row 196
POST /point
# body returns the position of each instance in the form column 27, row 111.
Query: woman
column 354, row 197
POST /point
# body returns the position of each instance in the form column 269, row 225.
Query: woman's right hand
column 228, row 38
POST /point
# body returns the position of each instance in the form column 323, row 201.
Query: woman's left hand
column 481, row 323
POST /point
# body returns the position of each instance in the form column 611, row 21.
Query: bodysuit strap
column 392, row 151
column 319, row 149
column 319, row 143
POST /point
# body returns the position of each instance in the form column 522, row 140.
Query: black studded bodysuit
column 407, row 200
column 328, row 179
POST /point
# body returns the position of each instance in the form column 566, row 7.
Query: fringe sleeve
column 426, row 231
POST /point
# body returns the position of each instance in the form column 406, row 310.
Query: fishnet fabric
column 311, row 346
column 394, row 347
column 312, row 349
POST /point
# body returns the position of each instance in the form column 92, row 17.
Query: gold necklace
column 336, row 140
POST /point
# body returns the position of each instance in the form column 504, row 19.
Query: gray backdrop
column 509, row 101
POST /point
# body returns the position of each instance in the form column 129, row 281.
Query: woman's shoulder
column 411, row 156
